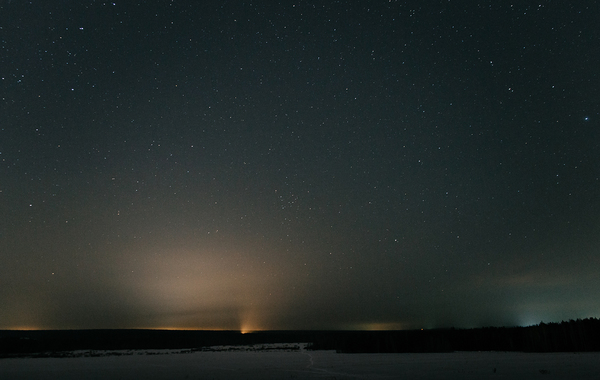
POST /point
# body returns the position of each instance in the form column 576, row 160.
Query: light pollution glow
column 230, row 284
column 205, row 289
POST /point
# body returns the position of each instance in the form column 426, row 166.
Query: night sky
column 298, row 165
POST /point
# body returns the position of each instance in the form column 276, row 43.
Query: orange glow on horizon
column 25, row 328
column 380, row 326
column 247, row 329
column 184, row 328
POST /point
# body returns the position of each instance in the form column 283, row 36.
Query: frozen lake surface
column 303, row 364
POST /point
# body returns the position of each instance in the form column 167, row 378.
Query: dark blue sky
column 238, row 165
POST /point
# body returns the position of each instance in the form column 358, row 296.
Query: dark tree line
column 572, row 336
column 31, row 343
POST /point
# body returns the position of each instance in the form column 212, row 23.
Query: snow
column 273, row 363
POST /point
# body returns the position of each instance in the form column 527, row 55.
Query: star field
column 281, row 165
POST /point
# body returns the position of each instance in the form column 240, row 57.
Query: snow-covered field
column 288, row 363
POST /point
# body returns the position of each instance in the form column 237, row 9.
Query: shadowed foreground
column 303, row 364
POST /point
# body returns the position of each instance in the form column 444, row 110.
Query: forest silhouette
column 581, row 335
